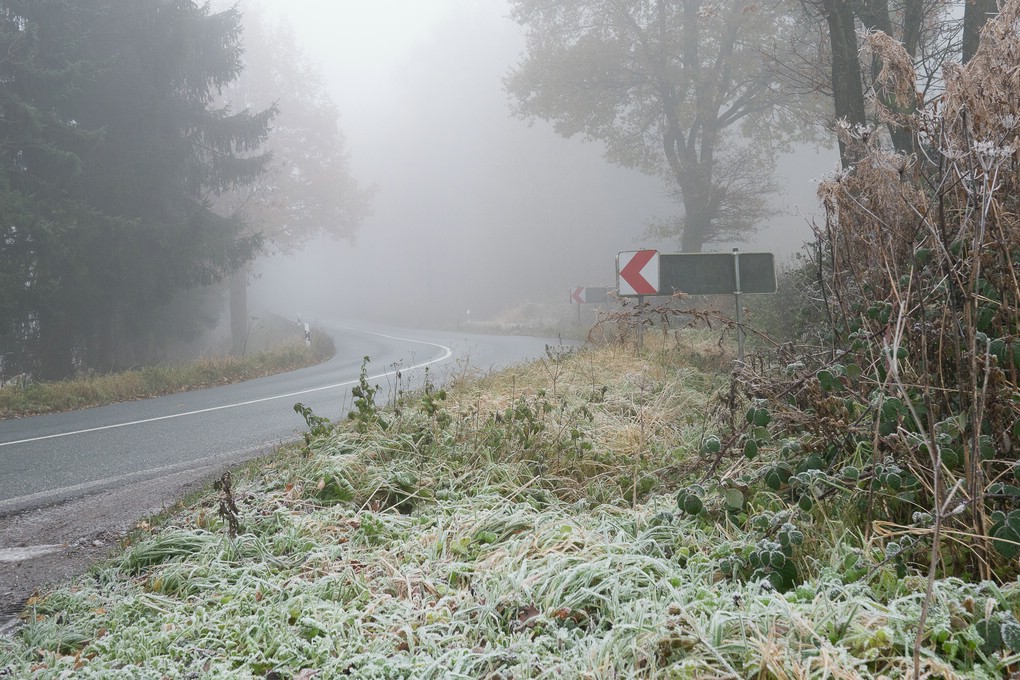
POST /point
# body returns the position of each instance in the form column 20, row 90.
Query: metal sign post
column 740, row 307
column 641, row 327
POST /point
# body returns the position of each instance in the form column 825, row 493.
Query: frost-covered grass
column 497, row 532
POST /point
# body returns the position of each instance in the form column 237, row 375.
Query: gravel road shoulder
column 51, row 545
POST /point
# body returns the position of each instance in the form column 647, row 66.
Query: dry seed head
column 897, row 78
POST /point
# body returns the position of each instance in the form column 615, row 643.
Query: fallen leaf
column 526, row 614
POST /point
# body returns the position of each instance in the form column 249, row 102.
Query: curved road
column 51, row 458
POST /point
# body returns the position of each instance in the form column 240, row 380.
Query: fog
column 474, row 210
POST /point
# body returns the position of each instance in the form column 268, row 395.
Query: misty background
column 474, row 209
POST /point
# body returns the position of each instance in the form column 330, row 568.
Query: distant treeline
column 113, row 150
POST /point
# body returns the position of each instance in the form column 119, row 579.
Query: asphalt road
column 53, row 458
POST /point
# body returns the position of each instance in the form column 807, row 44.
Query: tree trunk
column 695, row 190
column 691, row 240
column 847, row 83
column 975, row 16
column 913, row 19
column 239, row 310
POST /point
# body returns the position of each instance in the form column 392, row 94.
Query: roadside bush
column 907, row 413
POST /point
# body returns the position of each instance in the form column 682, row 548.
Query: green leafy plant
column 366, row 413
column 318, row 426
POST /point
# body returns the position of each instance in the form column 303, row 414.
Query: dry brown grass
column 18, row 400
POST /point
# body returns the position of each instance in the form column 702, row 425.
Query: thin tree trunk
column 239, row 310
column 913, row 18
column 975, row 16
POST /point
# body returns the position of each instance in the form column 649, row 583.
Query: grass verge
column 32, row 398
column 524, row 525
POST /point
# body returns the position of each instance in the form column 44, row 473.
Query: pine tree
column 118, row 153
column 37, row 164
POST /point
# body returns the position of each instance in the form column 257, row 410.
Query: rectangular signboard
column 715, row 273
column 589, row 295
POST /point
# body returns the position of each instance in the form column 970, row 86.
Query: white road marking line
column 28, row 552
column 447, row 353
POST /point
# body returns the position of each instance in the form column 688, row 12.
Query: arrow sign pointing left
column 577, row 295
column 638, row 272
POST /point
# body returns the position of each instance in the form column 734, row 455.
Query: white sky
column 359, row 43
column 360, row 48
column 474, row 208
column 371, row 30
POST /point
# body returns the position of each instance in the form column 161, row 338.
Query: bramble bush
column 904, row 415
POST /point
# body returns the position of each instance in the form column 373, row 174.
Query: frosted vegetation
column 844, row 505
column 521, row 525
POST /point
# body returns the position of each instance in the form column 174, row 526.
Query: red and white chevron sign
column 589, row 295
column 638, row 272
